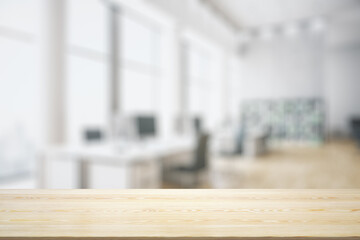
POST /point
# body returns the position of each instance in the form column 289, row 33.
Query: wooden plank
column 179, row 214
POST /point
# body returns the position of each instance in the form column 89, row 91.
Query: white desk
column 133, row 154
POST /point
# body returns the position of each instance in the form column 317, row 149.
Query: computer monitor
column 93, row 135
column 146, row 126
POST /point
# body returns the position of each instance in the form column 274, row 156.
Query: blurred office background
column 179, row 93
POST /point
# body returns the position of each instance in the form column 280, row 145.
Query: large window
column 140, row 65
column 87, row 83
column 199, row 81
column 20, row 87
column 204, row 83
column 88, row 89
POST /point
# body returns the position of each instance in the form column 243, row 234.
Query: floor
column 332, row 165
column 335, row 164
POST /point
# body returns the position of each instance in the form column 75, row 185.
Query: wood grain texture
column 179, row 214
column 335, row 165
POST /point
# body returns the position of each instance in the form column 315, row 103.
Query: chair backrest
column 201, row 152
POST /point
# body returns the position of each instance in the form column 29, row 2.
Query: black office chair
column 355, row 129
column 199, row 163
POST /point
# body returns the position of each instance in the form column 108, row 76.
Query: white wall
column 318, row 64
column 283, row 67
column 20, row 86
column 343, row 71
column 195, row 15
column 343, row 87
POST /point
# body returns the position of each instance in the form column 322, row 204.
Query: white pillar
column 184, row 89
column 114, row 65
column 52, row 70
column 226, row 93
column 181, row 49
column 52, row 47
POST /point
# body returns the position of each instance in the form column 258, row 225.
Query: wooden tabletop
column 179, row 214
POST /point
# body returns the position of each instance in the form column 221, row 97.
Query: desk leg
column 131, row 175
column 159, row 173
column 41, row 171
column 83, row 174
column 145, row 174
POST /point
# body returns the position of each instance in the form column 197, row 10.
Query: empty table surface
column 179, row 214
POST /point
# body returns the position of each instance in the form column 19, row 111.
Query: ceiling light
column 244, row 37
column 291, row 30
column 317, row 24
column 266, row 34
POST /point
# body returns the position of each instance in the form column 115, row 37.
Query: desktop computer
column 133, row 128
column 93, row 135
column 145, row 126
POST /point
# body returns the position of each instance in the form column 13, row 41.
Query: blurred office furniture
column 239, row 139
column 140, row 160
column 17, row 154
column 93, row 135
column 135, row 151
column 198, row 126
column 289, row 119
column 355, row 128
column 124, row 127
column 146, row 127
column 229, row 141
column 256, row 142
column 229, row 171
column 189, row 175
column 135, row 127
column 225, row 144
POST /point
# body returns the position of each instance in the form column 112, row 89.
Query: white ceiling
column 255, row 13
